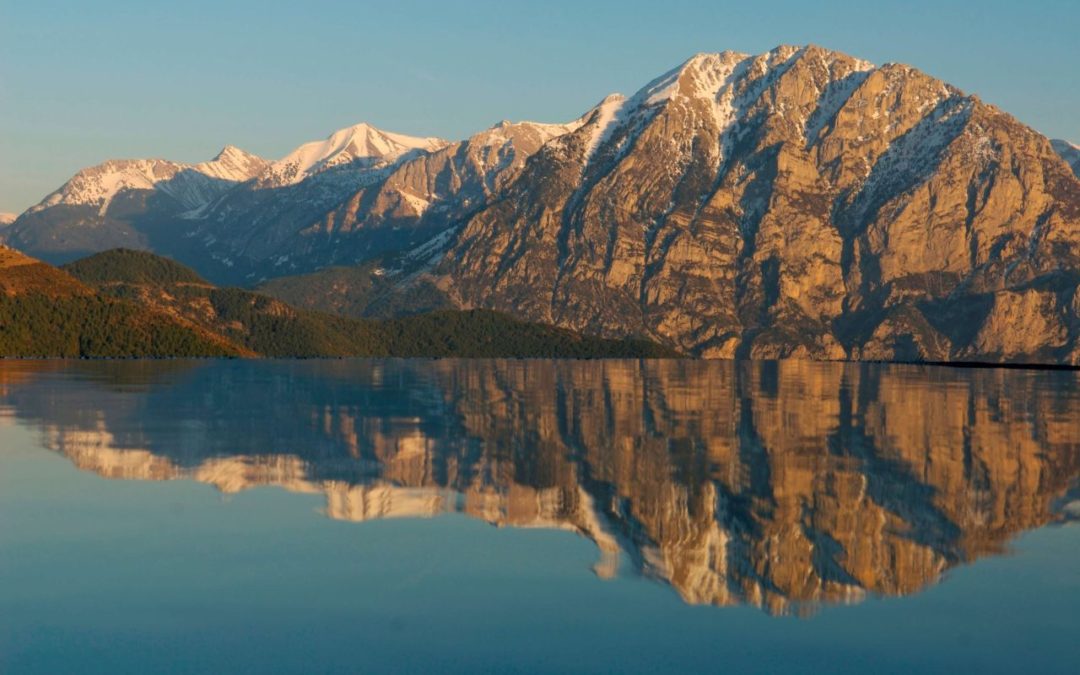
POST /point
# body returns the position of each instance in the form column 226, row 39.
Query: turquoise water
column 537, row 516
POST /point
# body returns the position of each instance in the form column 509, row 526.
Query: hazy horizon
column 269, row 78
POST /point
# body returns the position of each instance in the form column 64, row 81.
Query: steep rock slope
column 799, row 203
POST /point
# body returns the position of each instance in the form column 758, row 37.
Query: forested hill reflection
column 781, row 485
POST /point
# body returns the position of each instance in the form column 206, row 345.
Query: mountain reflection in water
column 777, row 484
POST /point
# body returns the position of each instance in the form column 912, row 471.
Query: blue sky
column 81, row 82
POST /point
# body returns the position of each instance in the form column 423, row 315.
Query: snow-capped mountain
column 1070, row 152
column 191, row 185
column 131, row 203
column 7, row 219
column 96, row 186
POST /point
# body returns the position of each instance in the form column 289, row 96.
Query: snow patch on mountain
column 7, row 218
column 418, row 204
column 500, row 147
column 606, row 117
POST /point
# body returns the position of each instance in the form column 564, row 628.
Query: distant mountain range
column 797, row 203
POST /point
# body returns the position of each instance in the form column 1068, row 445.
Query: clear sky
column 83, row 81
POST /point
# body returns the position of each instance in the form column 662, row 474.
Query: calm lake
column 525, row 516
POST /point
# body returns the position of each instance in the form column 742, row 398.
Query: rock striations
column 797, row 203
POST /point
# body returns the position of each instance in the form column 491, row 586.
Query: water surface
column 410, row 515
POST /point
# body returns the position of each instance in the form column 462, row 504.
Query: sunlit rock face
column 783, row 485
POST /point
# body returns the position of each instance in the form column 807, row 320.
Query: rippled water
column 649, row 515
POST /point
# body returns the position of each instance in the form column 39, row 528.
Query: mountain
column 797, row 203
column 260, row 229
column 1070, row 152
column 7, row 219
column 191, row 186
column 257, row 325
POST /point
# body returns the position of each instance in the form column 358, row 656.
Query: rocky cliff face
column 781, row 485
column 799, row 203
